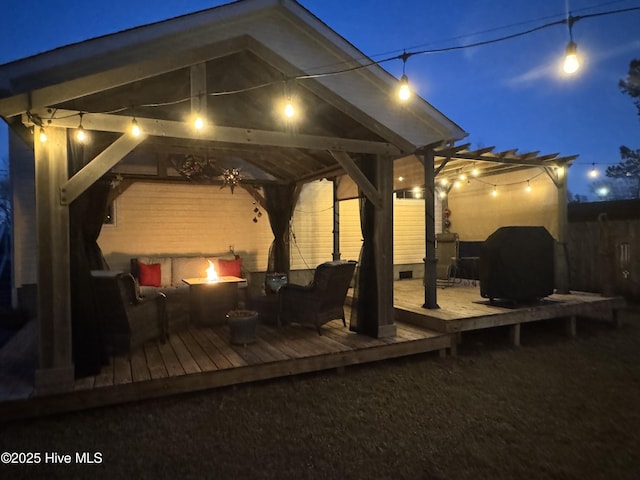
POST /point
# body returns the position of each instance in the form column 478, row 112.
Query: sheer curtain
column 279, row 203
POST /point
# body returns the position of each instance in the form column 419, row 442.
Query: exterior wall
column 313, row 226
column 25, row 240
column 476, row 214
column 163, row 218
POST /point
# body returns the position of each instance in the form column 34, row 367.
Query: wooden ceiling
column 243, row 91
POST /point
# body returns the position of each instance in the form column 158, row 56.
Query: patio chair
column 126, row 319
column 447, row 255
column 320, row 301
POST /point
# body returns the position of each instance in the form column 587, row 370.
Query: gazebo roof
column 236, row 63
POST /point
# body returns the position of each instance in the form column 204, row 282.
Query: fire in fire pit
column 212, row 275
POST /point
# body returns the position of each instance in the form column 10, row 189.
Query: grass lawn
column 556, row 408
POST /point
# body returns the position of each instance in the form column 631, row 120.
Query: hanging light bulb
column 404, row 92
column 475, row 172
column 593, row 173
column 81, row 135
column 495, row 191
column 198, row 123
column 571, row 61
column 528, row 187
column 289, row 109
column 43, row 135
column 135, row 128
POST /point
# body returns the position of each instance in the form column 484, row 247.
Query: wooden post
column 336, row 221
column 430, row 294
column 562, row 262
column 383, row 244
column 55, row 362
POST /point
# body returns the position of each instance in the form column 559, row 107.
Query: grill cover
column 517, row 263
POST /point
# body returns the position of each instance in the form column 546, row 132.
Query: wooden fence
column 604, row 247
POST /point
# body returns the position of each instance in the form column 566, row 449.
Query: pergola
column 234, row 65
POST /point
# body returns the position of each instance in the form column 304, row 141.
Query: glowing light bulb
column 444, row 182
column 401, row 178
column 475, row 172
column 81, row 136
column 571, row 61
column 442, row 194
column 593, row 173
column 528, row 187
column 495, row 191
column 289, row 110
column 198, row 123
column 404, row 93
column 135, row 128
column 43, row 135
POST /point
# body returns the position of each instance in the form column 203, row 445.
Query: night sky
column 508, row 94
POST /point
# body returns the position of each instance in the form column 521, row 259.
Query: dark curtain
column 279, row 203
column 86, row 215
column 364, row 317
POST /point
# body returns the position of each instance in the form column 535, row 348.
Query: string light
column 81, row 135
column 198, row 123
column 289, row 109
column 404, row 92
column 528, row 187
column 571, row 61
column 135, row 128
column 593, row 173
column 43, row 135
column 494, row 192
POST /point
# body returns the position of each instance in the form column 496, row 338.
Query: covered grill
column 517, row 264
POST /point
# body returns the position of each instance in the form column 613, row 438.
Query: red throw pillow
column 229, row 267
column 149, row 275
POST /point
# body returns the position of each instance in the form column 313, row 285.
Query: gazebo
column 234, row 67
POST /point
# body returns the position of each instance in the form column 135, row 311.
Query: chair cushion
column 150, row 274
column 230, row 267
column 188, row 267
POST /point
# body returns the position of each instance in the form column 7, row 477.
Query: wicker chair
column 322, row 300
column 127, row 320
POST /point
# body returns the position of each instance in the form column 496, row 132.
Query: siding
column 159, row 218
column 313, row 226
column 476, row 214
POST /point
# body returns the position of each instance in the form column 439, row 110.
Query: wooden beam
column 383, row 245
column 167, row 128
column 361, row 180
column 55, row 362
column 97, row 167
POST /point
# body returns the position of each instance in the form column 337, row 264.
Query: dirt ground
column 555, row 408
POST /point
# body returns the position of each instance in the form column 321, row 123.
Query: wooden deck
column 202, row 358
column 462, row 309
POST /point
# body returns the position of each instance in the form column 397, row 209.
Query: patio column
column 430, row 292
column 55, row 362
column 383, row 245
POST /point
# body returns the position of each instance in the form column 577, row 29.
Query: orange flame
column 212, row 275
